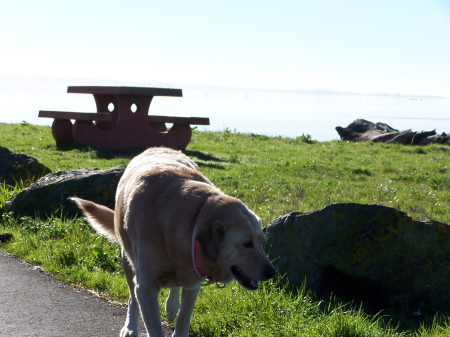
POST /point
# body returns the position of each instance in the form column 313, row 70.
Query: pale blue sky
column 377, row 46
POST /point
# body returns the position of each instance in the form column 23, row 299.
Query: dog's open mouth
column 243, row 279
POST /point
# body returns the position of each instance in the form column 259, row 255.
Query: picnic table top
column 131, row 91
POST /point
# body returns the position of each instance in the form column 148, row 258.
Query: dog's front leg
column 147, row 296
column 188, row 297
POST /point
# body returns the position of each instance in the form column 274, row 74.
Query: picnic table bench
column 122, row 120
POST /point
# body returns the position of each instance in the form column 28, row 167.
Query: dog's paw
column 128, row 333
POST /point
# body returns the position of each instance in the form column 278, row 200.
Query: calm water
column 269, row 113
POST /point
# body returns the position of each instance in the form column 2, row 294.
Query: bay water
column 273, row 113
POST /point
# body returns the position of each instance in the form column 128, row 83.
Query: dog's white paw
column 128, row 333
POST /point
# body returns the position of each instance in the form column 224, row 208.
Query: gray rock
column 49, row 195
column 371, row 253
column 361, row 130
column 16, row 167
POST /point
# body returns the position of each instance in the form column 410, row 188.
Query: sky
column 376, row 46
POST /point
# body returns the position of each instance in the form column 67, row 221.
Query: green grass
column 273, row 176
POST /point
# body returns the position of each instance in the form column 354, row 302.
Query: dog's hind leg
column 130, row 329
column 188, row 297
column 173, row 303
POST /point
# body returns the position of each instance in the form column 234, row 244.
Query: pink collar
column 199, row 270
column 197, row 263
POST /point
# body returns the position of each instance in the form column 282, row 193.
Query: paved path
column 34, row 304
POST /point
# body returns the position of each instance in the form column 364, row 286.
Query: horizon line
column 231, row 88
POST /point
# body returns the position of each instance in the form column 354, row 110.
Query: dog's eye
column 248, row 244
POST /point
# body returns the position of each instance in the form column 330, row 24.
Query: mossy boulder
column 18, row 167
column 49, row 195
column 371, row 253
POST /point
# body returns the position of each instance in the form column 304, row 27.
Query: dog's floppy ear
column 211, row 233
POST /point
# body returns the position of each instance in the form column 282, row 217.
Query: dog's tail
column 100, row 217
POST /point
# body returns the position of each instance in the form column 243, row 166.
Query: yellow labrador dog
column 177, row 230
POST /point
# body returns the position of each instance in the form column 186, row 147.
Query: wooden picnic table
column 122, row 120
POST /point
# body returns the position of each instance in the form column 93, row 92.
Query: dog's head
column 231, row 241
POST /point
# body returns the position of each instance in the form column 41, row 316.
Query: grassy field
column 273, row 176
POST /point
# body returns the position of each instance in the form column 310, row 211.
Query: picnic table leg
column 159, row 127
column 62, row 131
column 86, row 133
column 179, row 136
column 102, row 102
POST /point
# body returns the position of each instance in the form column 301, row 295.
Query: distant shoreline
column 86, row 81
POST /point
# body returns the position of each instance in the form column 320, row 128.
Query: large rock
column 361, row 130
column 49, row 195
column 17, row 167
column 366, row 252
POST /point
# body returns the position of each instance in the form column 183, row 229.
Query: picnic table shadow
column 100, row 153
column 202, row 159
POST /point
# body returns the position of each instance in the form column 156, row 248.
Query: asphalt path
column 34, row 304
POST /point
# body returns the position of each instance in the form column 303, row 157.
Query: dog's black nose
column 269, row 272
